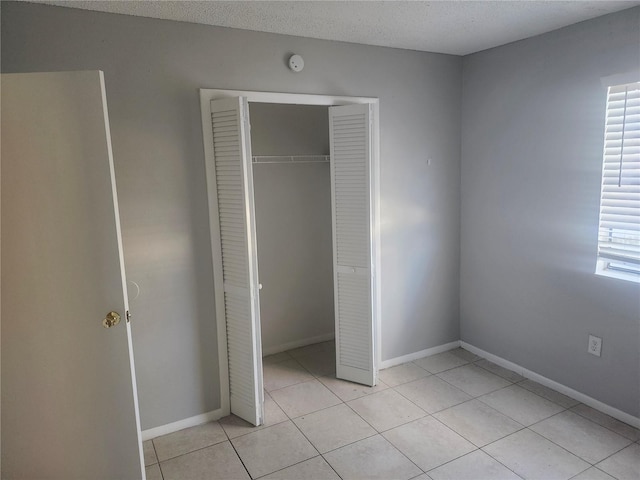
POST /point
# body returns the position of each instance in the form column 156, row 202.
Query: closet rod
column 291, row 158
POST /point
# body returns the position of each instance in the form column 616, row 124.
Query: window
column 619, row 230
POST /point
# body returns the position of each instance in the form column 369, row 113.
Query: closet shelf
column 291, row 158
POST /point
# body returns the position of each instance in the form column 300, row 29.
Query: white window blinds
column 619, row 232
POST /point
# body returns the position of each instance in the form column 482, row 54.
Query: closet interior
column 292, row 192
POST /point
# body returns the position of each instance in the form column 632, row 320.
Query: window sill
column 607, row 272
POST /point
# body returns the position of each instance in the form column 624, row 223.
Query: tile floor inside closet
column 447, row 416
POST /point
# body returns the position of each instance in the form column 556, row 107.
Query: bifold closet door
column 233, row 186
column 351, row 150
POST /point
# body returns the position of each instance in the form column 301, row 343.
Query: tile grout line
column 403, row 454
column 288, row 418
column 426, row 414
column 581, row 472
column 261, row 427
column 314, row 411
column 228, row 439
column 279, row 423
column 381, row 433
column 447, row 426
column 603, row 471
column 469, row 440
column 630, row 441
column 478, row 449
column 514, row 419
column 527, row 428
column 298, row 463
column 460, row 434
column 437, row 411
column 571, row 409
column 470, row 394
column 157, row 459
column 575, row 454
column 378, row 432
column 547, row 398
column 316, row 448
column 235, row 450
column 534, row 393
column 442, row 371
column 607, row 457
column 350, row 443
column 296, row 383
column 240, row 458
column 549, row 440
column 302, row 433
column 292, row 420
column 155, row 453
column 194, row 450
column 476, row 397
column 481, row 448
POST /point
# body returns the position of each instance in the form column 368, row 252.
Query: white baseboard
column 514, row 367
column 547, row 382
column 392, row 362
column 298, row 343
column 180, row 424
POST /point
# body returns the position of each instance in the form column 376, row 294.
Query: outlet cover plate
column 595, row 345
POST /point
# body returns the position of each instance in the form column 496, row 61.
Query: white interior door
column 69, row 405
column 352, row 203
column 230, row 185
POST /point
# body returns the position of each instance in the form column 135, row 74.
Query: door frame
column 206, row 96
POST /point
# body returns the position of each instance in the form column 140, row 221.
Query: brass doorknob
column 111, row 320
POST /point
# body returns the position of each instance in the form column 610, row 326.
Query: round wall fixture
column 296, row 63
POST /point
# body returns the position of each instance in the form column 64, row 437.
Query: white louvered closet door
column 235, row 203
column 351, row 150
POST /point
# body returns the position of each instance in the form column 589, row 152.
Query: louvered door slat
column 355, row 323
column 234, row 190
column 350, row 136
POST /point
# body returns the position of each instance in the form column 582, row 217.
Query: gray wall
column 278, row 129
column 293, row 217
column 153, row 70
column 532, row 124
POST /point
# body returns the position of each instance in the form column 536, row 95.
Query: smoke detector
column 296, row 63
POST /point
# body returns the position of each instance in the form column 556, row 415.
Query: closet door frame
column 206, row 96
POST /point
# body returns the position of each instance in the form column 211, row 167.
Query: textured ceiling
column 456, row 27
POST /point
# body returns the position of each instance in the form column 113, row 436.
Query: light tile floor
column 449, row 416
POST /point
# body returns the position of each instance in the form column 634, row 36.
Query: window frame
column 611, row 267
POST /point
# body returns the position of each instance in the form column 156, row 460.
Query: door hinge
column 128, row 316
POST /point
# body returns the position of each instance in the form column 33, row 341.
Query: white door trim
column 125, row 291
column 206, row 95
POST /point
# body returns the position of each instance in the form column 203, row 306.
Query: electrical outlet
column 595, row 345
